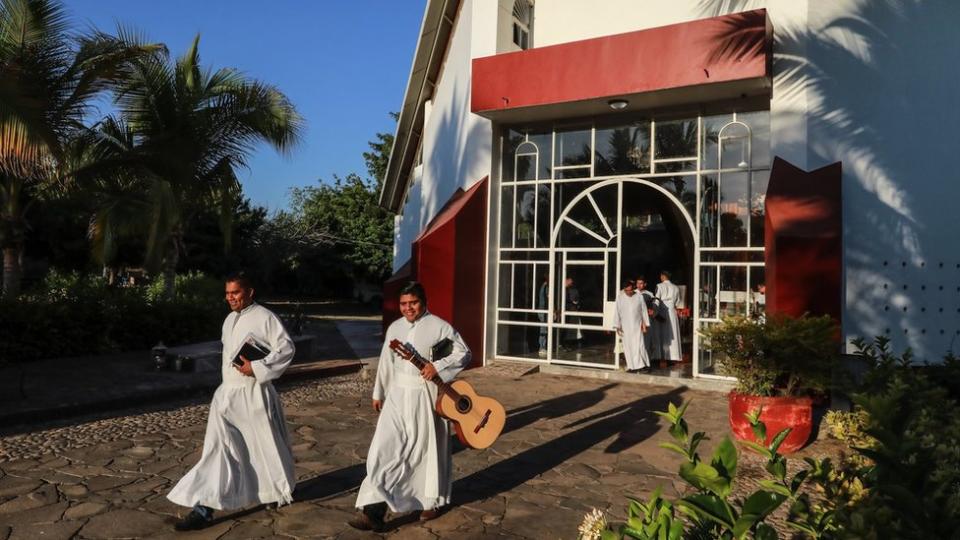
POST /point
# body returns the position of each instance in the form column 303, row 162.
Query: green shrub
column 904, row 484
column 194, row 286
column 69, row 314
column 779, row 355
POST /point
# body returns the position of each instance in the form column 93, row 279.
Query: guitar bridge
column 486, row 417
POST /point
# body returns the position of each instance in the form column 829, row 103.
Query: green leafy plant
column 712, row 510
column 780, row 355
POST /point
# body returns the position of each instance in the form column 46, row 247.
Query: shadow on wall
column 880, row 82
column 460, row 156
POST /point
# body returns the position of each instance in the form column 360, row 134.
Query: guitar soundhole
column 464, row 405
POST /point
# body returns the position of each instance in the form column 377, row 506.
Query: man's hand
column 428, row 372
column 619, row 332
column 377, row 405
column 643, row 328
column 246, row 368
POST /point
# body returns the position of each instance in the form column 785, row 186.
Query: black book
column 251, row 350
column 442, row 349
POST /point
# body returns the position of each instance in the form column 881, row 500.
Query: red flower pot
column 778, row 414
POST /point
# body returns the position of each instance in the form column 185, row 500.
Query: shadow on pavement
column 631, row 423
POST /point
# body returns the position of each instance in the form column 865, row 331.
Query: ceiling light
column 618, row 104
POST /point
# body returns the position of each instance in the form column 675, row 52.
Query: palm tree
column 181, row 134
column 48, row 79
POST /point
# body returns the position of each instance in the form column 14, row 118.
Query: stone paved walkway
column 570, row 444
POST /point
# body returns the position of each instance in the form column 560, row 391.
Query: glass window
column 759, row 122
column 676, row 139
column 758, row 291
column 758, row 194
column 522, row 151
column 674, row 166
column 733, row 291
column 522, row 23
column 506, row 216
column 683, row 187
column 711, row 133
column 709, row 211
column 734, row 209
column 622, row 150
column 522, row 341
column 503, row 288
column 586, row 292
column 578, row 345
column 525, row 214
column 573, row 148
column 544, row 222
column 523, row 286
column 708, row 292
column 734, row 141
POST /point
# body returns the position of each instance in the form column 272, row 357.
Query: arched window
column 522, row 23
column 526, row 162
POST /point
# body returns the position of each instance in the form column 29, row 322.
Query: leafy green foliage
column 712, row 510
column 780, row 355
column 72, row 315
column 346, row 215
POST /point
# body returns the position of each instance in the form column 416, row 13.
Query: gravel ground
column 137, row 422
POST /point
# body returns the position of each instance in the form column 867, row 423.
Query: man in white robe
column 410, row 464
column 630, row 320
column 652, row 338
column 246, row 457
column 669, row 295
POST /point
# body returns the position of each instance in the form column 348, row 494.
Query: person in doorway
column 630, row 320
column 669, row 295
column 759, row 307
column 571, row 302
column 656, row 318
column 410, row 464
column 246, row 457
column 542, row 302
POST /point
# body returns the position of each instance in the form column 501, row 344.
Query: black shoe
column 644, row 370
column 193, row 522
column 370, row 518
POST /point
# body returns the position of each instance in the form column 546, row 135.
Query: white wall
column 872, row 84
column 456, row 142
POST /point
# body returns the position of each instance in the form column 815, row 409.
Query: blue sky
column 344, row 64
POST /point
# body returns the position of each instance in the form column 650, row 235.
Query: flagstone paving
column 570, row 445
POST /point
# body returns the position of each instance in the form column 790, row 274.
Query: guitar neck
column 412, row 356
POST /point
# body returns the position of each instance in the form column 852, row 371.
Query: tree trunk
column 170, row 269
column 11, row 272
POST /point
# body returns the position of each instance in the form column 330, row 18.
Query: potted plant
column 779, row 363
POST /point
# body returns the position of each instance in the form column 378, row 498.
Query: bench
column 206, row 356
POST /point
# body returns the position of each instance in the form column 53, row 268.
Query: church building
column 781, row 155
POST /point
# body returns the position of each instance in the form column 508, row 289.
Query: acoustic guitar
column 478, row 420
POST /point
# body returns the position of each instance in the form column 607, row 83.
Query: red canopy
column 449, row 259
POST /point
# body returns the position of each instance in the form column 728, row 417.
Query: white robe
column 630, row 314
column 669, row 294
column 246, row 457
column 652, row 339
column 409, row 464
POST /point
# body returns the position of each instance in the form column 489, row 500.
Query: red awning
column 449, row 259
column 691, row 62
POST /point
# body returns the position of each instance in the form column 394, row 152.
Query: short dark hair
column 240, row 278
column 665, row 273
column 416, row 289
column 627, row 282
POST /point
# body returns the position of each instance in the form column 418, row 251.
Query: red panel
column 448, row 258
column 804, row 243
column 730, row 48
